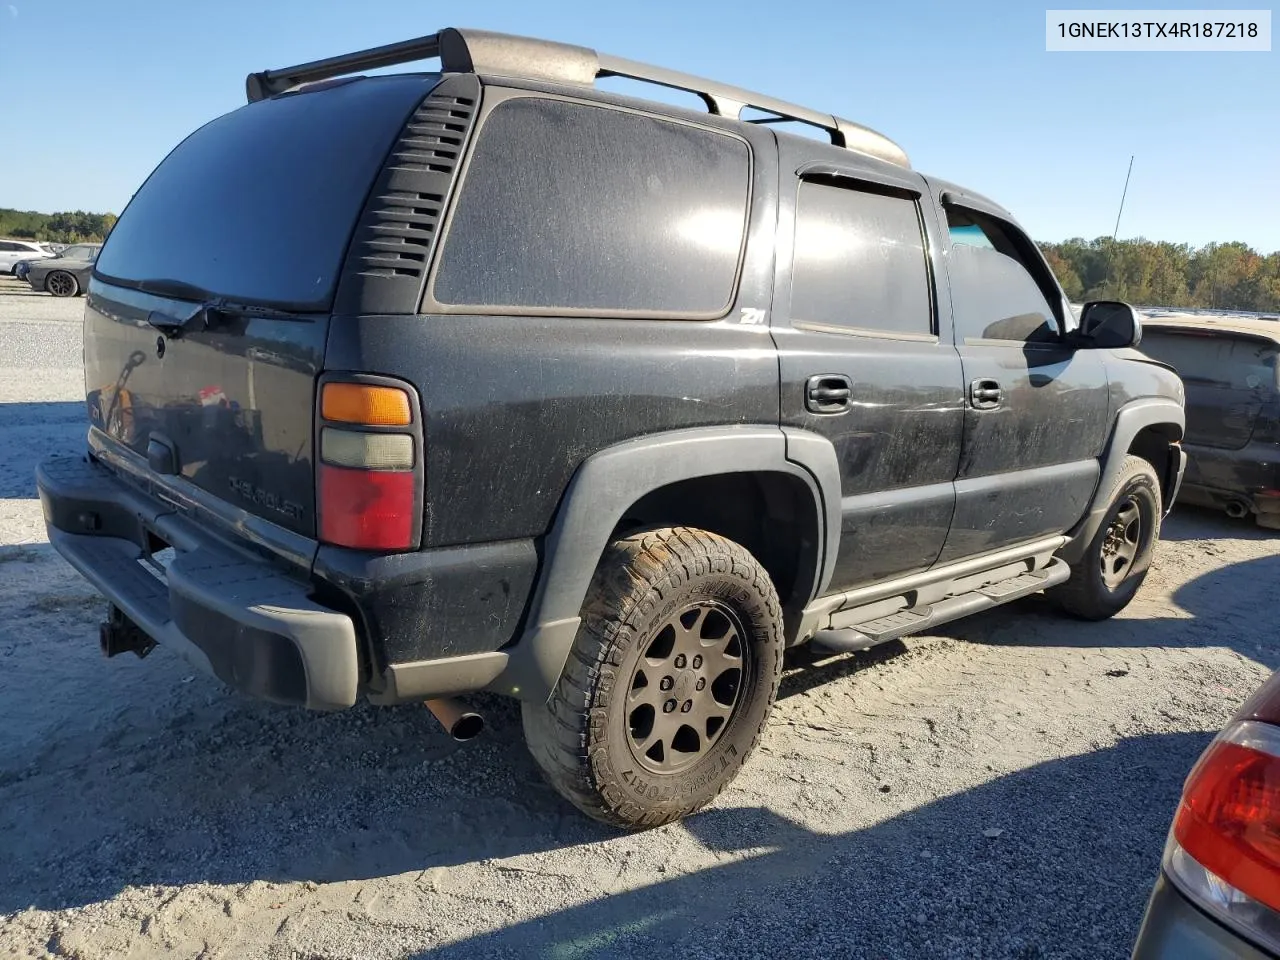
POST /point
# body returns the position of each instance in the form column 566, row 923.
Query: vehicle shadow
column 960, row 876
column 1189, row 522
column 29, row 432
column 10, row 287
column 1224, row 607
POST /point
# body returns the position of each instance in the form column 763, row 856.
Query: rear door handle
column 985, row 394
column 828, row 393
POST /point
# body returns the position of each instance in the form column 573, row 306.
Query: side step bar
column 860, row 636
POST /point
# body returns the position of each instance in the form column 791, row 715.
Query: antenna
column 1116, row 231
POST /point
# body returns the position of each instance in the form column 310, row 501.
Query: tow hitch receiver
column 118, row 634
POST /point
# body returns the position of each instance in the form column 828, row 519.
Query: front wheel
column 1116, row 561
column 62, row 284
column 669, row 683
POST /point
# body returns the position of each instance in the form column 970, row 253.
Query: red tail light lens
column 367, row 509
column 1224, row 849
column 1229, row 819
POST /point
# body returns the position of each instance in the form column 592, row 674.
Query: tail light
column 369, row 470
column 1224, row 849
column 1266, row 425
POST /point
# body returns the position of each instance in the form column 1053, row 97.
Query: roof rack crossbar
column 268, row 83
column 479, row 51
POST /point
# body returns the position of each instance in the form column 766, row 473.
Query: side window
column 573, row 207
column 998, row 291
column 860, row 260
column 7, row 247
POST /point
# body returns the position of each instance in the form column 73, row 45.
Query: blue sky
column 95, row 92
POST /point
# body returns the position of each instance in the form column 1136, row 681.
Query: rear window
column 1237, row 363
column 569, row 207
column 259, row 205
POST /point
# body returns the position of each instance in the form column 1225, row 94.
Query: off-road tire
column 1086, row 595
column 582, row 738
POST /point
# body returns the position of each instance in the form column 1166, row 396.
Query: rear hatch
column 1230, row 379
column 206, row 320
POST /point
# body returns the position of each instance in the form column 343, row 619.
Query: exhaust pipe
column 459, row 722
column 1236, row 510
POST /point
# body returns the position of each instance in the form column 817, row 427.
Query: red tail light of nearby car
column 368, row 474
column 1224, row 849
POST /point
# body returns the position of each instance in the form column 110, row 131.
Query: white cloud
column 13, row 11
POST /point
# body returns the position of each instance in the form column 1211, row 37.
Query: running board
column 860, row 636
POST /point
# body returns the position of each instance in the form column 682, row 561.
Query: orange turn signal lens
column 366, row 404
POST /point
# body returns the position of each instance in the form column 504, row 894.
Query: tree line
column 74, row 226
column 1222, row 276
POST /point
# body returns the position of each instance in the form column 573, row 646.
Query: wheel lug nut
column 697, row 661
column 666, row 683
column 669, row 706
column 688, row 705
column 701, row 684
column 680, row 662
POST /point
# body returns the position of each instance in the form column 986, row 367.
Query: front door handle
column 985, row 394
column 828, row 393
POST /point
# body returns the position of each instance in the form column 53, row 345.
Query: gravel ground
column 999, row 789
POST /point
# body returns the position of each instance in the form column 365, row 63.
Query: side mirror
column 1109, row 325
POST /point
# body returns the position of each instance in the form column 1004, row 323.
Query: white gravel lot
column 1000, row 789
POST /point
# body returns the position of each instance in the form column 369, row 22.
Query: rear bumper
column 1174, row 929
column 1216, row 477
column 232, row 614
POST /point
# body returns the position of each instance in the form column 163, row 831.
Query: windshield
column 259, row 205
column 78, row 252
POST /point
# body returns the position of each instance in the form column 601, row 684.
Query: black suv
column 487, row 379
column 1228, row 367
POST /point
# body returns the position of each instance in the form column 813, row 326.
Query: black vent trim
column 390, row 252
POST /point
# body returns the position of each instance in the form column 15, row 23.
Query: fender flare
column 609, row 482
column 1132, row 419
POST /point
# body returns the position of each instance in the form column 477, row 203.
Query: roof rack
column 497, row 54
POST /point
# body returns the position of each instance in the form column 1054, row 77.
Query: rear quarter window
column 570, row 207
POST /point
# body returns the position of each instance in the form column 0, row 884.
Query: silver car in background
column 13, row 252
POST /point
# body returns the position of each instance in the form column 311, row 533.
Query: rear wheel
column 62, row 284
column 670, row 681
column 1116, row 561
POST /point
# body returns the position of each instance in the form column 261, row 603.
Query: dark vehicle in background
column 1218, row 894
column 1228, row 366
column 67, row 274
column 587, row 400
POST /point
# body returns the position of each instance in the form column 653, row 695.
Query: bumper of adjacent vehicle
column 1175, row 929
column 1217, row 477
column 232, row 614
